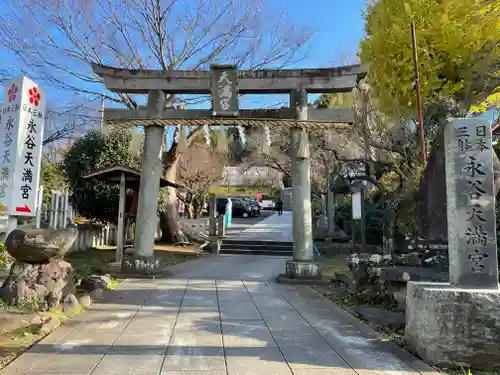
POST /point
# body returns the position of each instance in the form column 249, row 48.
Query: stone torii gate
column 225, row 112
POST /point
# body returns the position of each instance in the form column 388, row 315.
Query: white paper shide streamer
column 206, row 134
column 177, row 136
column 267, row 135
column 241, row 132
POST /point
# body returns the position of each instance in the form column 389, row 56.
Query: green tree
column 51, row 178
column 93, row 199
column 458, row 51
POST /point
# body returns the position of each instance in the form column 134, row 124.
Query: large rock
column 451, row 327
column 36, row 246
column 39, row 286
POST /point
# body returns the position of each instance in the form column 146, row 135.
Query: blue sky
column 336, row 25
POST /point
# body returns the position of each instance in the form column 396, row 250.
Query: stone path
column 273, row 228
column 210, row 320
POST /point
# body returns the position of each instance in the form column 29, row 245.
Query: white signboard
column 22, row 124
column 356, row 206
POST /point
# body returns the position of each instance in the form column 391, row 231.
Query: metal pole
column 366, row 141
column 39, row 207
column 212, row 212
column 101, row 124
column 65, row 207
column 363, row 221
column 120, row 244
column 419, row 99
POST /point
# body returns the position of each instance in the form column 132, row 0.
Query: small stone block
column 302, row 270
column 142, row 265
column 453, row 327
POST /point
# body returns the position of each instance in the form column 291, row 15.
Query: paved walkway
column 273, row 228
column 218, row 316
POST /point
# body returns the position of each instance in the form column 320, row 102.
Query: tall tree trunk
column 198, row 203
column 171, row 232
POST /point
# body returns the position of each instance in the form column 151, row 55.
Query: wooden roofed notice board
column 224, row 87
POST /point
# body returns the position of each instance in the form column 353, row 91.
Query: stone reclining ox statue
column 39, row 276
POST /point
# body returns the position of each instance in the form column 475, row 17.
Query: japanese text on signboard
column 225, row 90
column 476, row 221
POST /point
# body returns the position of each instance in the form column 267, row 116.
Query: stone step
column 256, row 242
column 255, row 247
column 253, row 251
column 229, row 246
column 405, row 274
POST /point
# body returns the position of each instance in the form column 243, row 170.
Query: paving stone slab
column 256, row 361
column 164, row 312
column 234, row 296
column 150, row 324
column 208, row 372
column 284, row 320
column 104, row 325
column 238, row 311
column 206, row 321
column 246, row 334
column 109, row 308
column 129, row 297
column 303, row 337
column 360, row 351
column 64, row 364
column 197, row 337
column 229, row 283
column 80, row 342
column 200, row 293
column 329, row 371
column 160, row 338
column 129, row 364
column 312, row 355
column 21, row 364
column 199, row 304
column 194, row 358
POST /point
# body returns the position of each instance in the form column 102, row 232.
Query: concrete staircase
column 246, row 247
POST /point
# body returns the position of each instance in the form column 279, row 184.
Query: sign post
column 22, row 124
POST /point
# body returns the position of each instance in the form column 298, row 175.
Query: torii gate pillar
column 151, row 172
column 302, row 267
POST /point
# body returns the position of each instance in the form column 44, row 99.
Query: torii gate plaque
column 229, row 83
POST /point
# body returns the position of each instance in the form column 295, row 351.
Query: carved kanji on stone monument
column 470, row 195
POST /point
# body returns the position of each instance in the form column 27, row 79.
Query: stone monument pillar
column 458, row 323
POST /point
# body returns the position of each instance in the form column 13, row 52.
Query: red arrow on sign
column 23, row 209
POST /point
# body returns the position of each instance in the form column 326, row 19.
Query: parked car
column 241, row 208
column 256, row 205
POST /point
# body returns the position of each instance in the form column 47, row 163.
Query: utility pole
column 417, row 89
